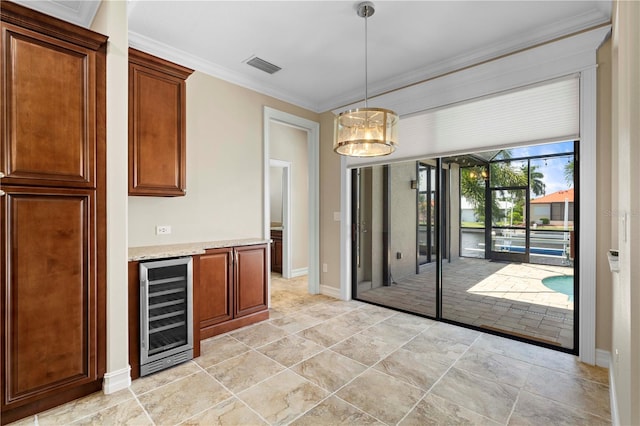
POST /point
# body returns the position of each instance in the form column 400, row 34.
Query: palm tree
column 569, row 172
column 538, row 187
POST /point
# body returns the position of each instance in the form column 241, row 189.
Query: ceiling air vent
column 263, row 65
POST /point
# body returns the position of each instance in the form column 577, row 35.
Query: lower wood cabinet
column 215, row 292
column 232, row 290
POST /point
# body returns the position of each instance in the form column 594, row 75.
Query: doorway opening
column 274, row 119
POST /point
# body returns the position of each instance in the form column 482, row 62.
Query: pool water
column 561, row 284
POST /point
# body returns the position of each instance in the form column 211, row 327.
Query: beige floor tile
column 259, row 334
column 365, row 317
column 329, row 370
column 290, row 350
column 490, row 399
column 494, row 367
column 364, row 349
column 89, row 405
column 283, row 397
column 182, row 399
column 390, row 333
column 380, row 395
column 329, row 332
column 293, row 323
column 452, row 332
column 410, row 322
column 127, row 413
column 218, row 349
column 437, row 349
column 334, row 411
column 229, row 412
column 411, row 367
column 161, row 378
column 245, row 370
column 436, row 411
column 567, row 389
column 535, row 410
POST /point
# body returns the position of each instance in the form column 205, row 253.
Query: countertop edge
column 186, row 249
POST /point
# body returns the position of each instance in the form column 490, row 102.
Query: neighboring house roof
column 556, row 197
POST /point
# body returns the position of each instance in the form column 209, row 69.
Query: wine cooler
column 166, row 313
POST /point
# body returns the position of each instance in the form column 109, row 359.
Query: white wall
column 111, row 20
column 625, row 214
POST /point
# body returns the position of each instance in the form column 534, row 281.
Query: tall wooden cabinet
column 52, row 237
column 157, row 126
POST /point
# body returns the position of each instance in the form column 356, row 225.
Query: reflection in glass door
column 426, row 213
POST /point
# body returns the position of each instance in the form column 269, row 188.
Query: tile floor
column 509, row 297
column 321, row 361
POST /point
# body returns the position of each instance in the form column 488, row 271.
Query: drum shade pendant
column 366, row 132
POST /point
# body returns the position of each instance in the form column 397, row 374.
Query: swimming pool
column 561, row 284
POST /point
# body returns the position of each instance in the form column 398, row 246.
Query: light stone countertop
column 187, row 249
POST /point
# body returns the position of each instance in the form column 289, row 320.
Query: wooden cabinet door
column 157, row 123
column 251, row 271
column 276, row 251
column 49, row 293
column 215, row 287
column 48, row 110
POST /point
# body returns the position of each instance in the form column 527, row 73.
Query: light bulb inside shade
column 366, row 132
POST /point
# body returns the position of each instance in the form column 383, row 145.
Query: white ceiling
column 320, row 44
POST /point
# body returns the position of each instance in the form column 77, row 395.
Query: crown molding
column 148, row 45
column 77, row 12
column 574, row 25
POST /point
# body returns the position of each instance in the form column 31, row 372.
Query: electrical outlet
column 163, row 229
column 399, row 255
column 325, row 268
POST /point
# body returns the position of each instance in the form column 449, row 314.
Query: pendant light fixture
column 366, row 132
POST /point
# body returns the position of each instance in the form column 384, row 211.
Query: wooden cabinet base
column 14, row 414
column 233, row 324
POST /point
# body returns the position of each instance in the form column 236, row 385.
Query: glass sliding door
column 486, row 240
column 524, row 286
column 394, row 236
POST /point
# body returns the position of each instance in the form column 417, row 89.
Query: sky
column 552, row 168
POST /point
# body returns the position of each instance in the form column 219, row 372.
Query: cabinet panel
column 250, row 280
column 50, row 298
column 157, row 123
column 216, row 291
column 48, row 110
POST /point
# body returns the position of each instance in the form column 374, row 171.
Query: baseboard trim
column 330, row 291
column 603, row 358
column 299, row 272
column 615, row 419
column 116, row 380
